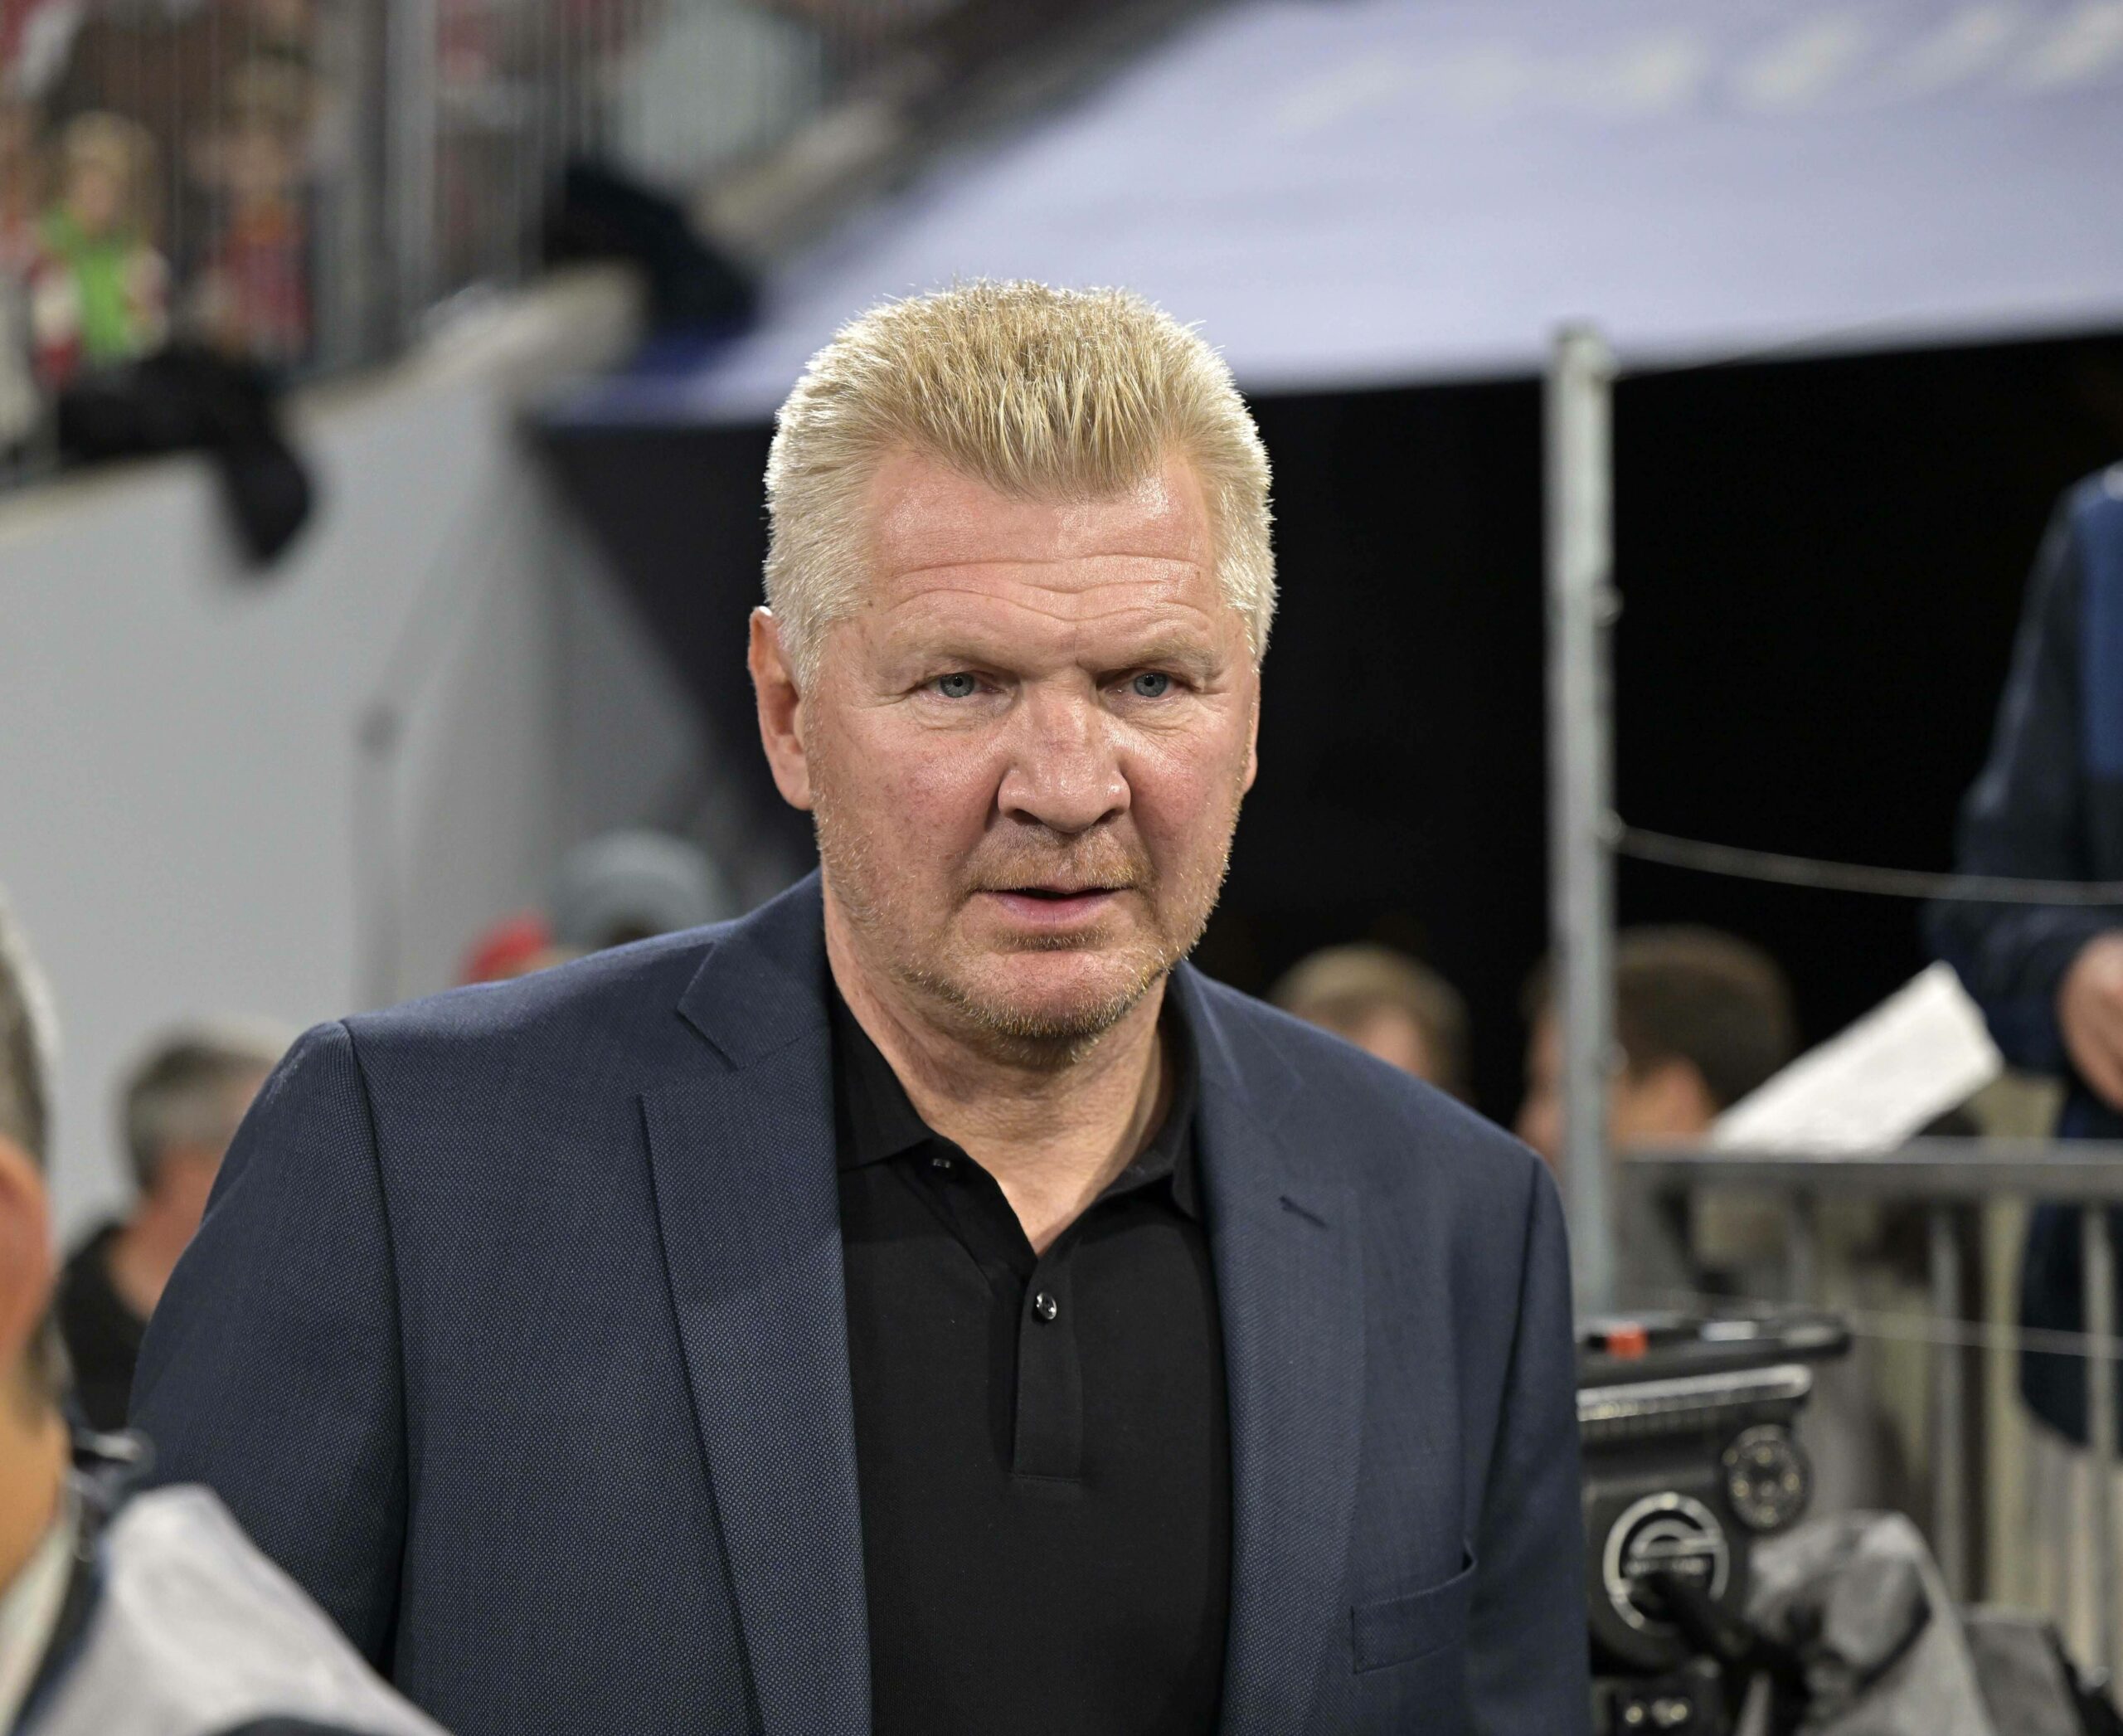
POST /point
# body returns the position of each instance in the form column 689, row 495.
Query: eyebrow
column 1184, row 651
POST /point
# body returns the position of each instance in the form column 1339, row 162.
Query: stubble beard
column 1025, row 1034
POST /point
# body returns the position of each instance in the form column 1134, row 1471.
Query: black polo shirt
column 1042, row 1441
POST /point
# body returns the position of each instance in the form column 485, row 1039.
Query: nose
column 1064, row 771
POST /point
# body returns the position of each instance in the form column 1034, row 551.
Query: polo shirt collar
column 876, row 1121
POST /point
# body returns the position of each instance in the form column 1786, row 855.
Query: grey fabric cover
column 1860, row 1596
column 2023, row 1678
column 195, row 1632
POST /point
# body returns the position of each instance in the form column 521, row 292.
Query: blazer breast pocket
column 1402, row 1629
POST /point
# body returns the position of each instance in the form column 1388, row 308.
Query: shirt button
column 1044, row 1306
column 940, row 1162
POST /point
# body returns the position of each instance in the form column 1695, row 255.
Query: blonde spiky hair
column 1040, row 393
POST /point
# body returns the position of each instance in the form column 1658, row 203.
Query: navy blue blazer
column 516, row 1333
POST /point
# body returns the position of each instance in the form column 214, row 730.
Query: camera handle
column 1741, row 1650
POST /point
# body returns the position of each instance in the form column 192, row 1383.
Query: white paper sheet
column 1920, row 1053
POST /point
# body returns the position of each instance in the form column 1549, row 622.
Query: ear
column 27, row 1272
column 187, row 1170
column 780, row 709
column 1673, row 1102
column 1252, row 743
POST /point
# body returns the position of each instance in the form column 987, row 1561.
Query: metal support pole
column 1802, row 1250
column 1949, row 1535
column 2100, row 1269
column 413, row 97
column 1651, row 1223
column 1581, row 608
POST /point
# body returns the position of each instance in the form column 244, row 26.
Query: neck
column 145, row 1251
column 1054, row 1124
column 32, row 1476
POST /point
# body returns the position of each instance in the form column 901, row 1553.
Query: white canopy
column 1352, row 193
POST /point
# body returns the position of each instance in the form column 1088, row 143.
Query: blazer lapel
column 1290, row 1291
column 742, row 1154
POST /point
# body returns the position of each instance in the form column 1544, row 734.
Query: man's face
column 1392, row 1036
column 185, row 1175
column 1540, row 1112
column 95, row 195
column 1664, row 1103
column 1027, row 750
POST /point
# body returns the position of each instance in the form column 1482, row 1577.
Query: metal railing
column 1945, row 1178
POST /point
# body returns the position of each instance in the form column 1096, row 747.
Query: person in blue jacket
column 2049, row 806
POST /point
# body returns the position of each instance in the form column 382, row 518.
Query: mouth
column 1049, row 905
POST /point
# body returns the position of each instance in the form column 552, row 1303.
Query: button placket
column 1049, row 1400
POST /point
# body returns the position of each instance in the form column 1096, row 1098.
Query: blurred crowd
column 212, row 176
column 159, row 169
column 1703, row 1017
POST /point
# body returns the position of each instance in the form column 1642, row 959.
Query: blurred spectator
column 1701, row 1017
column 515, row 947
column 99, row 290
column 128, row 1615
column 181, row 1106
column 1387, row 1005
column 627, row 886
column 20, row 173
column 613, row 888
column 21, row 177
column 252, row 296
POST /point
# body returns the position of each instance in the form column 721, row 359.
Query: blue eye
column 1151, row 684
column 958, row 686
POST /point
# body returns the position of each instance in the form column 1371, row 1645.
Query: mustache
column 1111, row 866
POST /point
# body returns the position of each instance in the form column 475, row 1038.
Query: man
column 925, row 1304
column 1701, row 1017
column 2049, row 806
column 180, row 1108
column 1387, row 1003
column 147, row 1617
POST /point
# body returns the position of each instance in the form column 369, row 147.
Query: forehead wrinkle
column 1073, row 559
column 909, row 615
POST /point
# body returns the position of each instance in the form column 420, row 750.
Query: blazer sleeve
column 271, row 1371
column 2024, row 817
column 1528, row 1662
